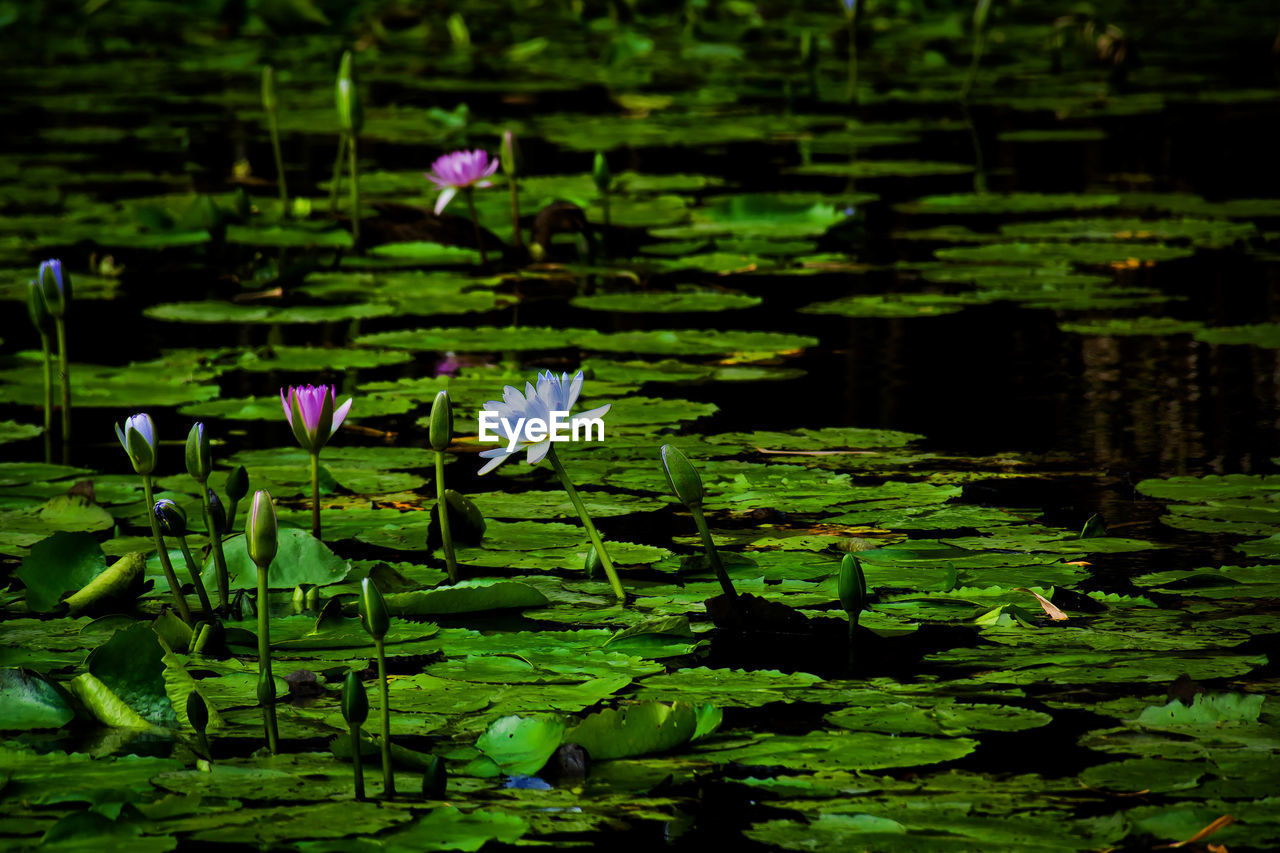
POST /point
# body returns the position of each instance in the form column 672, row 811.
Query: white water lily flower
column 552, row 394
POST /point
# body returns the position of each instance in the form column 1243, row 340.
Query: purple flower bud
column 310, row 410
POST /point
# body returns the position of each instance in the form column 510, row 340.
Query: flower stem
column 315, row 495
column 337, row 174
column 267, row 699
column 388, row 780
column 196, row 580
column 712, row 556
column 442, row 509
column 355, row 192
column 219, row 558
column 273, row 127
column 475, row 223
column 178, row 601
column 64, row 372
column 357, row 763
column 48, row 398
column 516, row 237
column 591, row 528
column 231, row 515
column 852, row 92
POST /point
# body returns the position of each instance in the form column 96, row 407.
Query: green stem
column 853, row 628
column 274, row 128
column 48, row 398
column 604, row 206
column 337, row 174
column 979, row 42
column 219, row 557
column 388, row 780
column 713, row 556
column 517, row 237
column 442, row 509
column 178, row 601
column 591, row 528
column 475, row 223
column 64, row 373
column 852, row 92
column 264, row 658
column 355, row 192
column 196, row 580
column 315, row 495
column 357, row 762
column 231, row 515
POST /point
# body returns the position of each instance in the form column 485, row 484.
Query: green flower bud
column 55, row 286
column 197, row 712
column 851, row 586
column 38, row 311
column 138, row 438
column 682, row 477
column 237, row 484
column 266, row 688
column 199, row 456
column 300, row 597
column 217, row 514
column 261, row 530
column 509, row 154
column 441, row 432
column 172, row 518
column 600, row 172
column 355, row 702
column 373, row 610
column 269, row 102
column 350, row 114
column 313, row 598
column 593, row 566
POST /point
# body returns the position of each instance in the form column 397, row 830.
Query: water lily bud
column 313, row 414
column 851, row 586
column 373, row 610
column 682, row 476
column 173, row 520
column 217, row 514
column 199, row 457
column 350, row 113
column 138, row 438
column 266, row 687
column 593, row 566
column 269, row 102
column 55, row 286
column 38, row 311
column 435, row 780
column 441, row 421
column 466, row 522
column 509, row 155
column 300, row 598
column 355, row 702
column 260, row 531
column 237, row 484
column 313, row 598
column 197, row 712
column 600, row 172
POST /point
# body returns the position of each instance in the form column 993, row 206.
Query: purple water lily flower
column 138, row 438
column 460, row 170
column 552, row 394
column 310, row 410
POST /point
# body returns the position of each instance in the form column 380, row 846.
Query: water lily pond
column 923, row 356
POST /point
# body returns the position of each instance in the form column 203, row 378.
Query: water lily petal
column 446, row 196
column 341, row 414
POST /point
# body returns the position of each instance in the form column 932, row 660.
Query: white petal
column 446, row 196
column 537, row 452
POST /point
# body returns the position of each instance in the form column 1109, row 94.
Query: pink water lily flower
column 310, row 410
column 460, row 170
